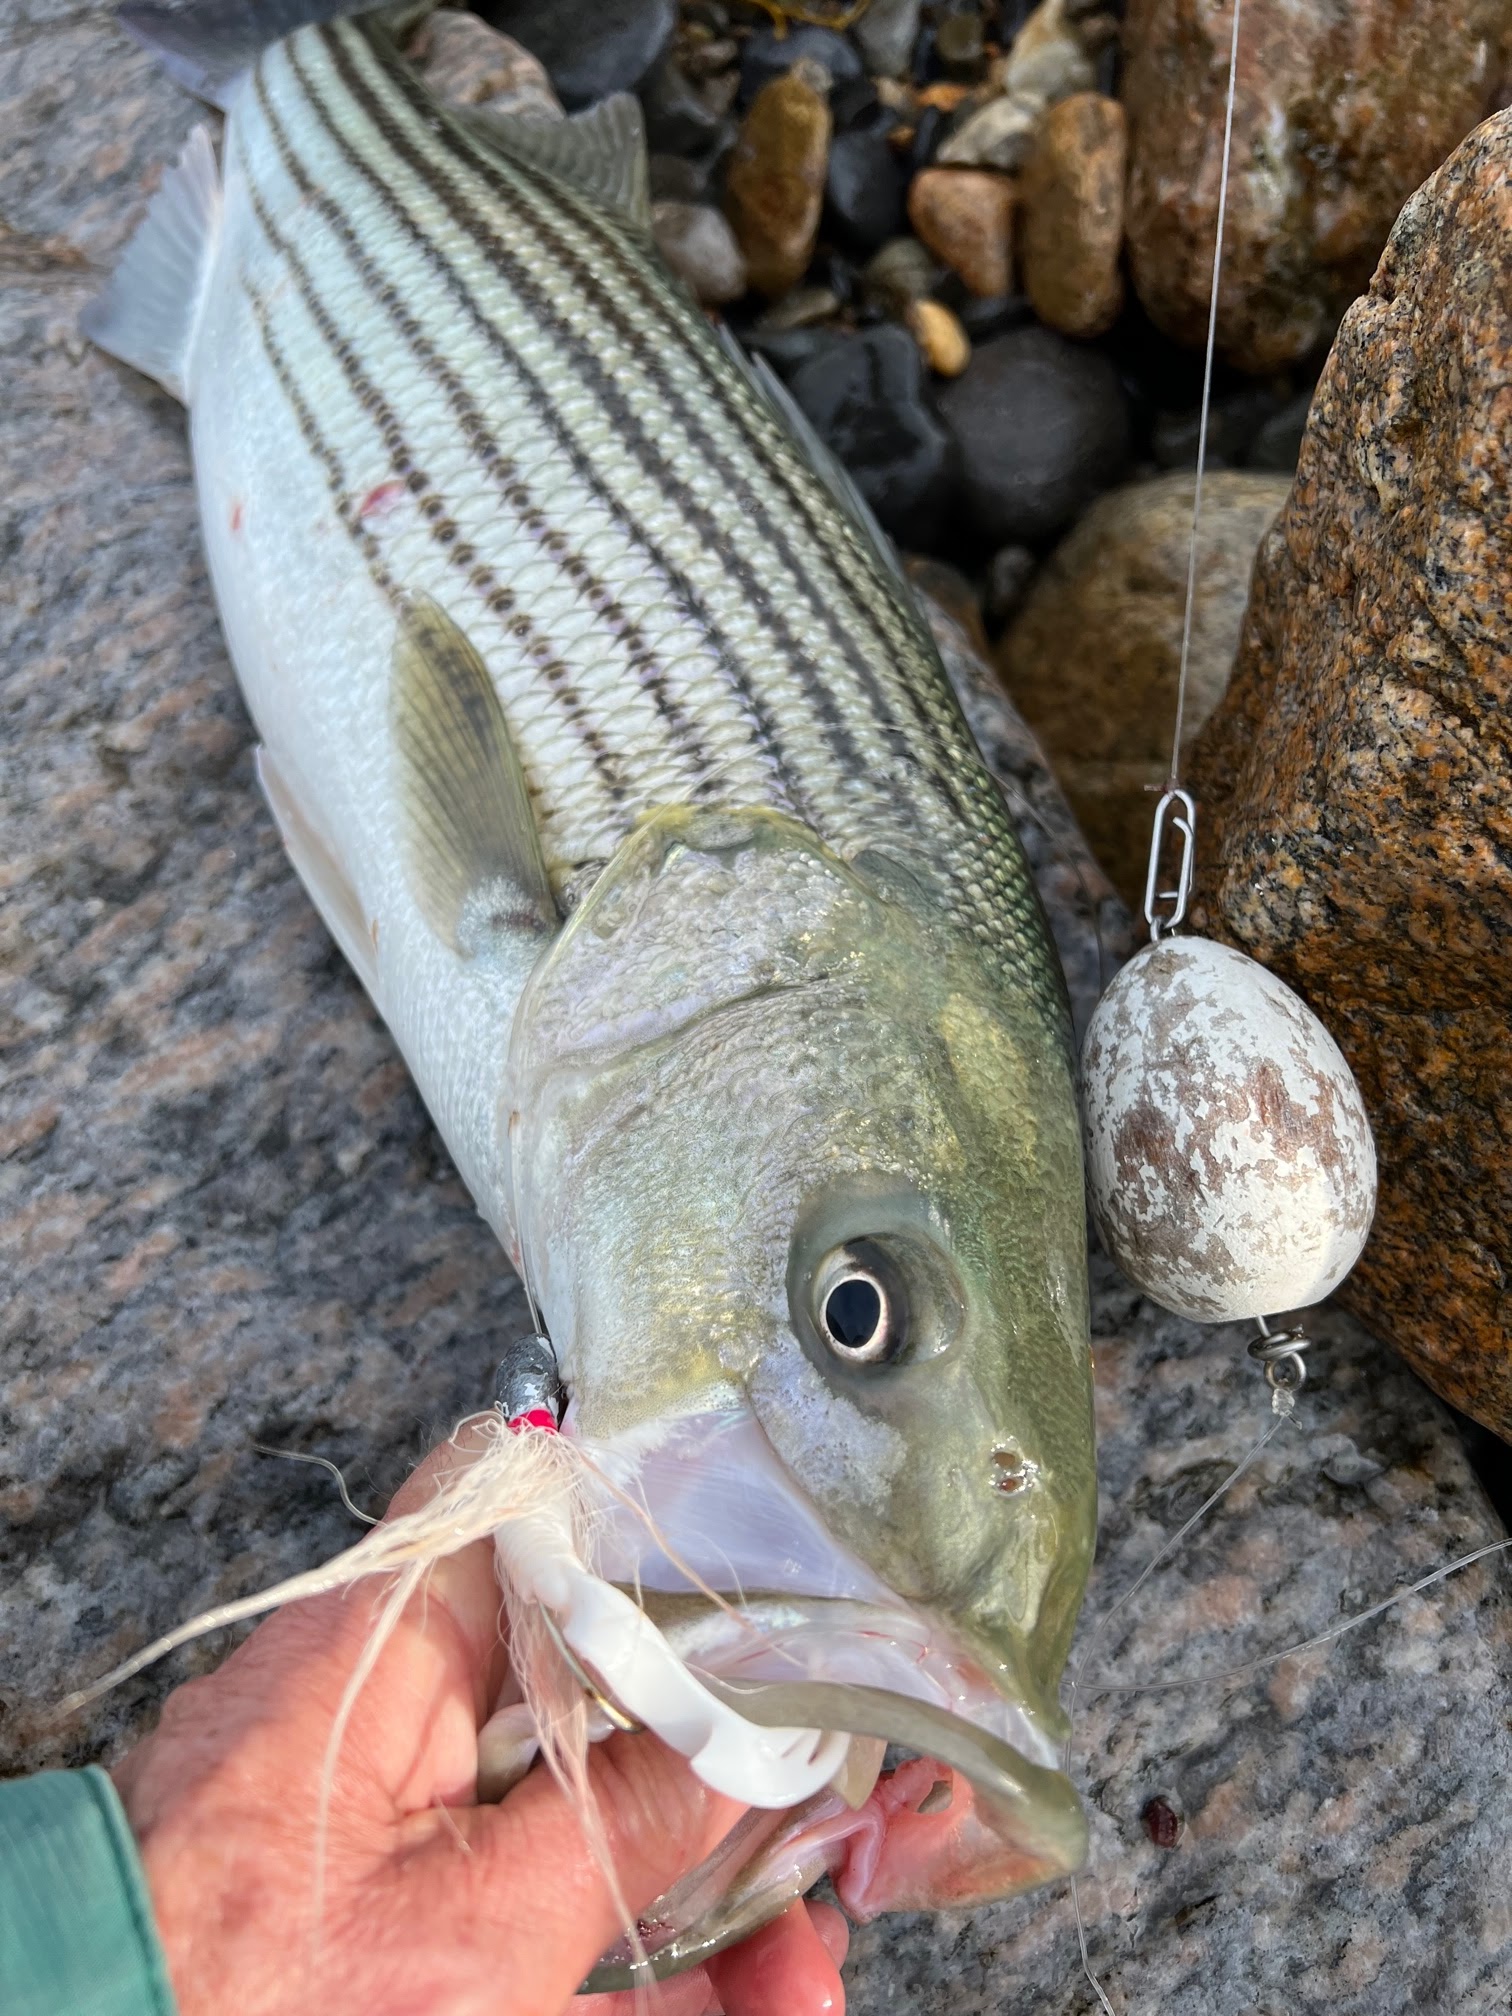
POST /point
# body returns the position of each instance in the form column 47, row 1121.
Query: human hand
column 428, row 1903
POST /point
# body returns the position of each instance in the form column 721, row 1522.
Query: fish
column 610, row 743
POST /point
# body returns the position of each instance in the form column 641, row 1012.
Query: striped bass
column 620, row 763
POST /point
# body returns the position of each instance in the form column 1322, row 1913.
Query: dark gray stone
column 1278, row 443
column 590, row 47
column 767, row 55
column 1009, row 573
column 863, row 189
column 865, row 395
column 885, row 35
column 684, row 115
column 1042, row 425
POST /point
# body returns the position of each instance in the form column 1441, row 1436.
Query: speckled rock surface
column 1359, row 775
column 1092, row 658
column 1340, row 113
column 225, row 1217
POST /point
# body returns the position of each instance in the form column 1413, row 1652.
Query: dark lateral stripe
column 309, row 432
column 500, row 598
column 541, row 205
column 650, row 675
column 633, row 438
column 761, row 723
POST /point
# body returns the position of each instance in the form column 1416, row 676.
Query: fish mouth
column 972, row 1806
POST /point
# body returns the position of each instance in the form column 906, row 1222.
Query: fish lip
column 1032, row 1812
column 1032, row 1808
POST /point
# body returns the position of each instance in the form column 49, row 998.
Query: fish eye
column 860, row 1308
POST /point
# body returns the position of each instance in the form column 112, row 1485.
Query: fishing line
column 321, row 1463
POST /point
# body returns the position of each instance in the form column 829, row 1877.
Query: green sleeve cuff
column 76, row 1930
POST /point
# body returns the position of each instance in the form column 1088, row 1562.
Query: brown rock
column 944, row 343
column 965, row 217
column 774, row 191
column 1092, row 659
column 1340, row 112
column 1358, row 777
column 1072, row 197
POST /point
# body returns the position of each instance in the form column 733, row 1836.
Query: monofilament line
column 1207, row 397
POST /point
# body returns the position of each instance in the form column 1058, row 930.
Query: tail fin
column 150, row 308
column 206, row 45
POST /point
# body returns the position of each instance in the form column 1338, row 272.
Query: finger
column 530, row 1891
column 833, row 1928
column 787, row 1966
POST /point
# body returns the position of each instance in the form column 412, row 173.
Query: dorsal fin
column 472, row 852
column 149, row 308
column 601, row 152
column 826, row 464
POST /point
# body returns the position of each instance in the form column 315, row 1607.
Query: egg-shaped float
column 1230, row 1163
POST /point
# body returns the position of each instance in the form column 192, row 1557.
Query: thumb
column 518, row 1885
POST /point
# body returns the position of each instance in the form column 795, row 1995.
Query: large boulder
column 1340, row 113
column 1358, row 776
column 1092, row 658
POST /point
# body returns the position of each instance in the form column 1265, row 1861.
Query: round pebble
column 1042, row 425
column 943, row 343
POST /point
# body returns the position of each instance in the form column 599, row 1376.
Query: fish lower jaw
column 970, row 1817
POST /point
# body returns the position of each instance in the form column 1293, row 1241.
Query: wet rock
column 1340, row 113
column 672, row 179
column 686, row 115
column 699, row 246
column 965, row 217
column 1042, row 426
column 865, row 395
column 1009, row 572
column 1277, row 442
column 998, row 134
column 768, row 56
column 1091, row 659
column 958, row 36
column 467, row 63
column 1071, row 225
column 1358, row 776
column 774, row 187
column 943, row 343
column 799, row 310
column 863, row 189
column 885, row 34
column 1050, row 56
column 589, row 47
column 902, row 271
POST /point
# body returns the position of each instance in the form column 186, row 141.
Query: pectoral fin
column 472, row 851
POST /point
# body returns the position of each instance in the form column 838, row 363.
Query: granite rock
column 965, row 218
column 228, row 1219
column 1042, row 426
column 1091, row 659
column 1072, row 204
column 1340, row 112
column 774, row 189
column 590, row 47
column 1358, row 778
column 467, row 63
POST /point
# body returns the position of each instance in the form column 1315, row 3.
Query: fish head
column 801, row 1198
